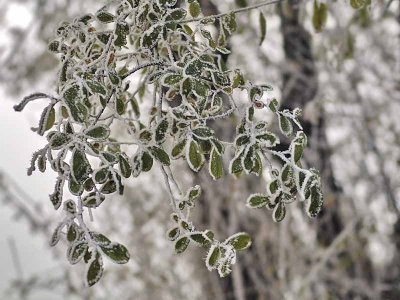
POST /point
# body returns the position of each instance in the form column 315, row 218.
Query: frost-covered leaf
column 121, row 31
column 100, row 175
column 202, row 238
column 229, row 23
column 173, row 233
column 56, row 197
column 58, row 140
column 161, row 131
column 171, row 80
column 147, row 162
column 194, row 9
column 177, row 150
column 55, row 237
column 181, row 244
column 76, row 251
column 203, row 132
column 99, row 238
column 297, row 151
column 109, row 187
column 285, row 125
column 96, row 87
column 80, row 166
column 268, row 139
column 94, row 270
column 257, row 200
column 236, row 166
column 159, row 154
column 279, row 212
column 105, row 17
column 215, row 164
column 194, row 192
column 98, row 132
column 177, row 14
column 314, row 201
column 151, row 36
column 273, row 105
column 213, row 257
column 117, row 253
column 124, row 165
column 194, row 156
column 239, row 241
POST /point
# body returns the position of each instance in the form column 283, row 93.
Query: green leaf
column 268, row 139
column 215, row 166
column 194, row 192
column 76, row 251
column 59, row 140
column 54, row 46
column 124, row 165
column 116, row 252
column 75, row 187
column 229, row 22
column 273, row 105
column 101, row 175
column 177, row 14
column 263, row 27
column 94, row 270
column 105, row 17
column 120, row 106
column 257, row 201
column 173, row 233
column 98, row 132
column 147, row 162
column 285, row 125
column 171, row 80
column 315, row 201
column 279, row 212
column 96, row 87
column 51, row 118
column 213, row 256
column 203, row 132
column 121, row 31
column 239, row 241
column 242, row 139
column 194, row 156
column 55, row 237
column 236, row 167
column 297, row 151
column 160, row 155
column 151, row 36
column 99, row 238
column 201, row 238
column 177, row 150
column 194, row 9
column 357, row 4
column 161, row 131
column 181, row 244
column 80, row 166
column 320, row 15
column 109, row 187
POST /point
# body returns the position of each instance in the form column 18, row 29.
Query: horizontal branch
column 235, row 11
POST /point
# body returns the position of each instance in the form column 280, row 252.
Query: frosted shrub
column 112, row 64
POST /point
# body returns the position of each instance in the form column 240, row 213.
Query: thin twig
column 235, row 11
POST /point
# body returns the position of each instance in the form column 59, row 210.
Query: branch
column 236, row 11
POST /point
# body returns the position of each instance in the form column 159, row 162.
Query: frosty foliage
column 177, row 61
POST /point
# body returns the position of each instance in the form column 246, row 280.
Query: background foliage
column 349, row 102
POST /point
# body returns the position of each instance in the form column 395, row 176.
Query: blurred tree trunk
column 259, row 274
